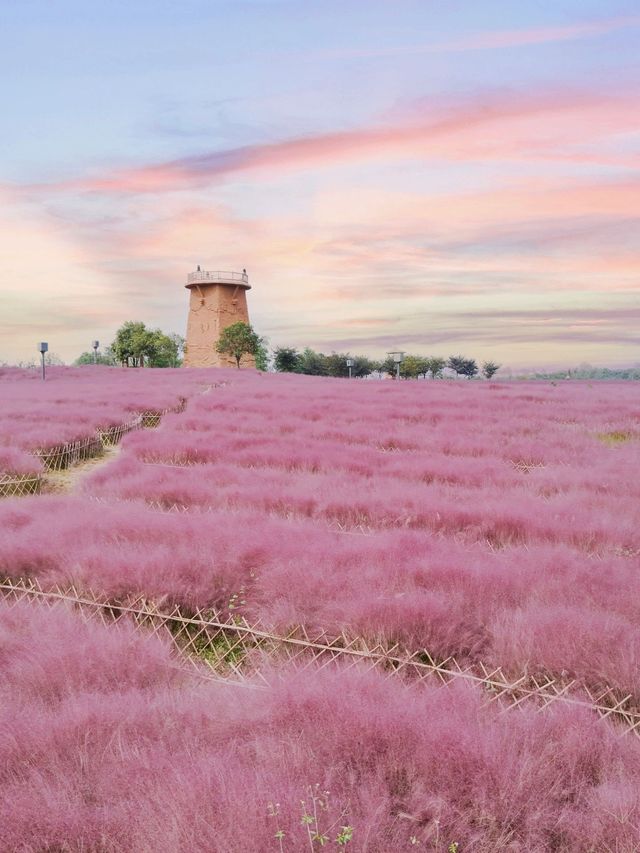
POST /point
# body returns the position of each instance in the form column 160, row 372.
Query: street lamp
column 398, row 357
column 349, row 365
column 95, row 345
column 43, row 347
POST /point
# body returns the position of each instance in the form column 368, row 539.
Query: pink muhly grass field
column 497, row 522
column 490, row 522
column 494, row 522
column 109, row 745
column 539, row 607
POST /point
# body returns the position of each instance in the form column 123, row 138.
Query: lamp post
column 398, row 357
column 95, row 345
column 43, row 347
column 349, row 365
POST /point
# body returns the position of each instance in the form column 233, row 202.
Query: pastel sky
column 439, row 176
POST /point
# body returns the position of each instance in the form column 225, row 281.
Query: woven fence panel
column 113, row 435
column 151, row 418
column 12, row 486
column 233, row 649
column 73, row 452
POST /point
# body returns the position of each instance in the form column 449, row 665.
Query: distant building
column 217, row 300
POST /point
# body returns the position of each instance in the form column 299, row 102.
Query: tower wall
column 213, row 307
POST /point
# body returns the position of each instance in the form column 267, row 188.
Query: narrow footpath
column 68, row 480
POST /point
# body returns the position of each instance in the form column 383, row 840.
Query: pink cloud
column 504, row 126
column 350, row 241
column 493, row 40
column 541, row 35
column 529, row 199
column 400, row 245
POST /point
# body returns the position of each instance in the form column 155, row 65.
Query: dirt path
column 68, row 480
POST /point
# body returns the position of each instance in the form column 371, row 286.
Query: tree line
column 290, row 360
column 137, row 346
column 588, row 371
column 240, row 339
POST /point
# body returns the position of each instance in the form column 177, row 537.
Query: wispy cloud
column 499, row 125
column 493, row 40
column 600, row 327
column 378, row 245
column 595, row 317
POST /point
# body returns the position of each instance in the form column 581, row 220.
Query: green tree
column 313, row 363
column 463, row 366
column 163, row 350
column 469, row 368
column 262, row 355
column 413, row 366
column 132, row 344
column 287, row 360
column 435, row 366
column 135, row 345
column 179, row 343
column 456, row 362
column 336, row 365
column 489, row 368
column 362, row 366
column 237, row 340
column 423, row 364
column 105, row 358
column 388, row 366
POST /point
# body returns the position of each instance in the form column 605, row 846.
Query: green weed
column 614, row 437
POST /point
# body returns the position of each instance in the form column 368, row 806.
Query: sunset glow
column 436, row 177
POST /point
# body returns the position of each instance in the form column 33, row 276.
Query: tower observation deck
column 239, row 279
column 217, row 299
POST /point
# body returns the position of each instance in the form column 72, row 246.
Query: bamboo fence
column 70, row 453
column 18, row 485
column 230, row 648
column 113, row 435
column 152, row 417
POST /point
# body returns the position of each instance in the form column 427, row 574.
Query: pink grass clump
column 108, row 742
column 15, row 461
column 75, row 402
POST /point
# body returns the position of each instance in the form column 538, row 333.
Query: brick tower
column 217, row 300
